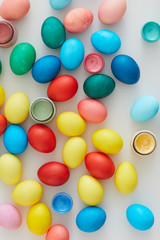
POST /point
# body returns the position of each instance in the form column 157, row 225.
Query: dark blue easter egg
column 125, row 69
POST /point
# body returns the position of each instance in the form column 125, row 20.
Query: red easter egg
column 42, row 138
column 3, row 124
column 62, row 88
column 57, row 232
column 99, row 165
column 53, row 173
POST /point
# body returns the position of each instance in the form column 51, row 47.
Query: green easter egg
column 53, row 32
column 98, row 86
column 0, row 67
column 22, row 58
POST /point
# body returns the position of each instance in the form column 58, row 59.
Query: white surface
column 118, row 105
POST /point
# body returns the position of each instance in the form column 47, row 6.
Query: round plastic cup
column 42, row 110
column 8, row 34
column 143, row 142
column 93, row 63
column 151, row 32
column 62, row 202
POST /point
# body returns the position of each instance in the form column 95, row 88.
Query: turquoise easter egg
column 53, row 32
column 140, row 217
column 72, row 54
column 22, row 58
column 98, row 86
column 106, row 41
column 59, row 4
column 144, row 109
column 90, row 219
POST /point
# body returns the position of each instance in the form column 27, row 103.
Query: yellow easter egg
column 70, row 124
column 17, row 108
column 126, row 178
column 74, row 152
column 107, row 141
column 2, row 95
column 27, row 193
column 90, row 190
column 10, row 169
column 39, row 219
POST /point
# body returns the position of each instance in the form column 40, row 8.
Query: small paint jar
column 143, row 142
column 8, row 34
column 151, row 31
column 93, row 63
column 42, row 110
column 62, row 202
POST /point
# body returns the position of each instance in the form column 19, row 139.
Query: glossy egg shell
column 59, row 4
column 62, row 88
column 90, row 219
column 98, row 86
column 78, row 20
column 57, row 232
column 72, row 54
column 92, row 110
column 46, row 69
column 3, row 124
column 140, row 217
column 111, row 11
column 53, row 173
column 99, row 165
column 39, row 219
column 144, row 109
column 10, row 217
column 2, row 95
column 126, row 178
column 125, row 69
column 42, row 138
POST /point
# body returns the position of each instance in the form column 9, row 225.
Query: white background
column 119, row 103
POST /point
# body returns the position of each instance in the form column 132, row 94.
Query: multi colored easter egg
column 74, row 152
column 70, row 124
column 46, row 69
column 39, row 219
column 92, row 110
column 106, row 41
column 22, row 58
column 53, row 173
column 144, row 109
column 90, row 219
column 99, row 165
column 59, row 4
column 78, row 20
column 72, row 54
column 57, row 232
column 10, row 217
column 41, row 138
column 107, row 141
column 90, row 190
column 62, row 88
column 2, row 95
column 111, row 11
column 125, row 69
column 27, row 193
column 3, row 124
column 15, row 139
column 140, row 217
column 126, row 178
column 53, row 32
column 17, row 108
column 10, row 169
column 98, row 86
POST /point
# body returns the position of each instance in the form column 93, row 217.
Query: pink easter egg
column 111, row 11
column 10, row 217
column 57, row 232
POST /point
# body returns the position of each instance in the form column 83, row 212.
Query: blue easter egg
column 15, row 139
column 125, row 69
column 46, row 69
column 72, row 54
column 106, row 41
column 59, row 4
column 91, row 219
column 144, row 109
column 140, row 217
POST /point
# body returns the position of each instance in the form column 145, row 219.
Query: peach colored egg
column 14, row 9
column 92, row 110
column 78, row 20
column 111, row 11
column 57, row 232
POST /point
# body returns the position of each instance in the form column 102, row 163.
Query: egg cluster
column 62, row 88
